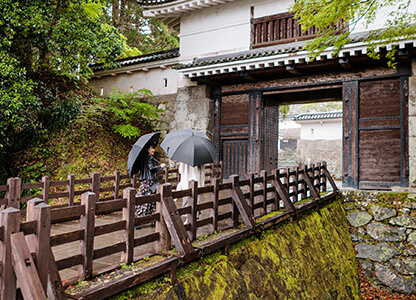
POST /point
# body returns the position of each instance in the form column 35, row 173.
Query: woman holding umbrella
column 148, row 182
column 141, row 160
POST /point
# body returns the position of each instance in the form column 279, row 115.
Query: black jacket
column 149, row 170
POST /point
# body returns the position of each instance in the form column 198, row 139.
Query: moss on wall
column 313, row 258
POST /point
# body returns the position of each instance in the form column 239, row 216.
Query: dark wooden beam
column 345, row 63
column 292, row 70
column 247, row 76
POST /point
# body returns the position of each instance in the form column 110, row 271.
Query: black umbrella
column 138, row 152
column 189, row 146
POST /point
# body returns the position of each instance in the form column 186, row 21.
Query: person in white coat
column 189, row 173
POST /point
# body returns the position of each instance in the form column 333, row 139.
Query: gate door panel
column 234, row 155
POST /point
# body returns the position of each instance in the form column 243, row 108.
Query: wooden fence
column 226, row 205
column 69, row 191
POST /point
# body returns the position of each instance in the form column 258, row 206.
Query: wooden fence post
column 71, row 190
column 55, row 289
column 116, row 184
column 251, row 191
column 46, row 183
column 303, row 195
column 128, row 232
column 95, row 185
column 42, row 214
column 263, row 185
column 87, row 223
column 165, row 175
column 221, row 172
column 133, row 181
column 10, row 220
column 192, row 218
column 164, row 237
column 13, row 193
column 215, row 182
column 329, row 178
column 276, row 203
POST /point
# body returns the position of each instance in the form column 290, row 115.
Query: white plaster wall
column 321, row 129
column 153, row 80
column 288, row 124
column 224, row 28
column 381, row 18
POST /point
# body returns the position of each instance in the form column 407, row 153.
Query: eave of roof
column 161, row 9
column 145, row 58
column 318, row 116
column 274, row 56
column 144, row 62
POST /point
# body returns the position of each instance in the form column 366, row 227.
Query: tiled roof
column 318, row 116
column 281, row 49
column 171, row 53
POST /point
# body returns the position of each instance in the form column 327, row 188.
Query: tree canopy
column 399, row 23
column 45, row 49
column 146, row 34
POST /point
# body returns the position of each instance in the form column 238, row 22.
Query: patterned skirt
column 147, row 208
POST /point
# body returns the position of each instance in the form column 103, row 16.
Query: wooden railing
column 229, row 204
column 280, row 29
column 69, row 191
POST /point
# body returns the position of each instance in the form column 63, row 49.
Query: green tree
column 45, row 49
column 399, row 23
column 147, row 35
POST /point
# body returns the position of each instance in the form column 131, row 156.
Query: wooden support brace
column 329, row 178
column 309, row 183
column 283, row 194
column 241, row 202
column 193, row 186
column 174, row 221
column 25, row 269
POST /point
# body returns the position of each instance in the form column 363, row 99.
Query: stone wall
column 383, row 228
column 309, row 151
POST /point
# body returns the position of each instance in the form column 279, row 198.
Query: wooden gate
column 375, row 133
column 234, row 154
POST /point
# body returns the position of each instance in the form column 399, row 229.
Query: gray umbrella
column 138, row 152
column 189, row 146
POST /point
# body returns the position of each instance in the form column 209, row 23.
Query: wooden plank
column 174, row 222
column 10, row 221
column 64, row 238
column 263, row 186
column 242, row 204
column 109, row 250
column 125, row 282
column 67, row 213
column 87, row 222
column 149, row 238
column 109, row 228
column 58, row 183
column 27, row 186
column 110, row 206
column 25, row 269
column 69, row 262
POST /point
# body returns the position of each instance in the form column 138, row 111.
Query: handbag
column 153, row 188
